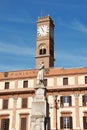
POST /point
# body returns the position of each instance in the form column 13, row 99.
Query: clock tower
column 45, row 42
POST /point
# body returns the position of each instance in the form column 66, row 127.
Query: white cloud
column 26, row 19
column 68, row 59
column 76, row 25
column 6, row 67
column 15, row 49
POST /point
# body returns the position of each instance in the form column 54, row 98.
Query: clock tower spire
column 45, row 42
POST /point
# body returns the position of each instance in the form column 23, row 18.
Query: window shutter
column 23, row 123
column 45, row 82
column 85, row 79
column 83, row 100
column 6, row 85
column 5, row 104
column 5, row 124
column 71, row 123
column 24, row 103
column 65, row 81
column 61, row 122
column 84, row 122
column 70, row 101
column 61, row 101
column 25, row 84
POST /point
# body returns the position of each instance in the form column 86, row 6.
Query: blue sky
column 18, row 32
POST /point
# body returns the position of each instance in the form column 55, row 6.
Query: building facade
column 66, row 89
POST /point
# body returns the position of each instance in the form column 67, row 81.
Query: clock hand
column 42, row 29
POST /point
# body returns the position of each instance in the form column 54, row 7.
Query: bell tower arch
column 45, row 42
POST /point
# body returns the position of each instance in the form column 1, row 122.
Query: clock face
column 43, row 30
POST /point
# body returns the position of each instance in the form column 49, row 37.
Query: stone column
column 40, row 110
column 77, row 111
column 14, row 112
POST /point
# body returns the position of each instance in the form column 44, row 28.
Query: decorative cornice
column 23, row 74
column 32, row 91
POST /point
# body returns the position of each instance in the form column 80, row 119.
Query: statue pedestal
column 40, row 110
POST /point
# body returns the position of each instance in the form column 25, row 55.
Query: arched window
column 42, row 51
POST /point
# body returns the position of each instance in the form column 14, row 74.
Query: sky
column 18, row 32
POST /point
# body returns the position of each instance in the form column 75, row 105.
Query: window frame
column 85, row 79
column 65, row 81
column 24, row 116
column 68, row 100
column 85, row 122
column 66, row 125
column 23, row 123
column 84, row 100
column 42, row 51
column 66, row 122
column 25, row 84
column 5, row 104
column 6, row 85
column 5, row 121
column 45, row 82
column 24, row 103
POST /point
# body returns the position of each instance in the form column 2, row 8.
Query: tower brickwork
column 45, row 42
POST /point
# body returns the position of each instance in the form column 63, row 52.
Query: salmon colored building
column 66, row 89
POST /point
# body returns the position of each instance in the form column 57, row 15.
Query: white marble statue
column 40, row 76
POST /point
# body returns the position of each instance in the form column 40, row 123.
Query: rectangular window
column 66, row 122
column 6, row 85
column 23, row 123
column 25, row 84
column 65, row 81
column 65, row 101
column 85, row 79
column 5, row 103
column 85, row 122
column 45, row 82
column 5, row 124
column 24, row 102
column 84, row 100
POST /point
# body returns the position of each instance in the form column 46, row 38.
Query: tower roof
column 44, row 18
